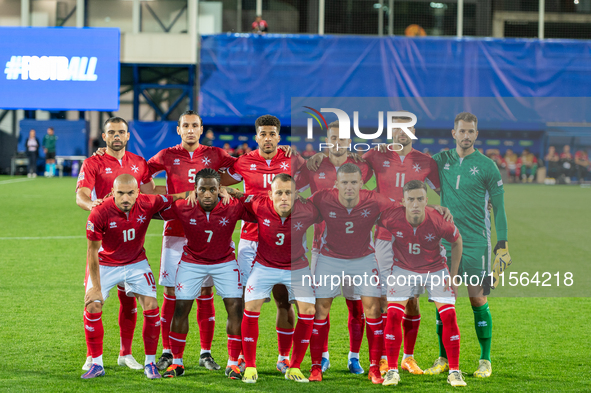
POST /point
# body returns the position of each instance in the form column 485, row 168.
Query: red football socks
column 250, row 336
column 151, row 331
column 318, row 340
column 206, row 321
column 450, row 335
column 284, row 340
column 375, row 339
column 410, row 324
column 356, row 323
column 127, row 320
column 94, row 333
column 301, row 339
column 393, row 334
column 168, row 306
column 177, row 344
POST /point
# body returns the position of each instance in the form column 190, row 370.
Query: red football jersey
column 181, row 167
column 122, row 234
column 325, row 177
column 209, row 234
column 394, row 171
column 258, row 174
column 99, row 172
column 275, row 248
column 348, row 231
column 419, row 249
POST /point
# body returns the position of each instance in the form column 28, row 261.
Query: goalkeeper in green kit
column 469, row 180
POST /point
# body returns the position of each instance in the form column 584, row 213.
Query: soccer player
column 116, row 256
column 49, row 141
column 258, row 168
column 349, row 214
column 418, row 262
column 469, row 180
column 95, row 181
column 325, row 177
column 208, row 253
column 279, row 262
column 395, row 165
column 181, row 163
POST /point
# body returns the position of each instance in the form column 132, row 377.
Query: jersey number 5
column 192, row 173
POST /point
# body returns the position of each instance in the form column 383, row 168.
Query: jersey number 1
column 400, row 180
column 458, row 183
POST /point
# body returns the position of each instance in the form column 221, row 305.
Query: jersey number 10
column 128, row 235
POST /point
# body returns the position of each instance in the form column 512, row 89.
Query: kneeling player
column 278, row 263
column 209, row 252
column 120, row 223
column 418, row 262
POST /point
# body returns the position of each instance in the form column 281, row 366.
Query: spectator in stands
column 32, row 153
column 309, row 152
column 426, row 151
column 553, row 160
column 259, row 26
column 582, row 164
column 527, row 166
column 495, row 155
column 208, row 138
column 511, row 162
column 228, row 149
column 567, row 163
column 242, row 150
column 49, row 141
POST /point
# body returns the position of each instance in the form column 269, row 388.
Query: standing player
column 279, row 262
column 469, row 180
column 95, row 181
column 258, row 168
column 181, row 163
column 325, row 177
column 349, row 214
column 208, row 253
column 393, row 169
column 116, row 256
column 418, row 262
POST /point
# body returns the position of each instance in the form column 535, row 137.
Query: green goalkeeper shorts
column 476, row 261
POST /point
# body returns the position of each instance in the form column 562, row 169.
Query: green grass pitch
column 539, row 344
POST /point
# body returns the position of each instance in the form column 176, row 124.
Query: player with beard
column 325, row 177
column 469, row 181
column 95, row 181
column 394, row 166
column 257, row 169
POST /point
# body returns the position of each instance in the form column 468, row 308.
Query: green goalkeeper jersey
column 466, row 186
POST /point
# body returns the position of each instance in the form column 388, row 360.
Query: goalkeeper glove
column 502, row 261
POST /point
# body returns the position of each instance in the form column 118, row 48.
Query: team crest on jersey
column 267, row 222
column 112, row 225
column 206, row 161
column 446, row 166
column 141, row 219
column 193, row 221
column 430, row 237
column 108, row 171
column 474, row 170
column 253, row 167
column 224, row 221
column 81, row 176
column 90, row 226
column 284, row 166
column 386, row 164
column 135, row 169
column 416, row 167
column 332, row 215
column 298, row 226
column 365, row 213
column 176, row 161
column 321, row 176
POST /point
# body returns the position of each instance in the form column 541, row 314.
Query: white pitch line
column 56, row 237
column 14, row 181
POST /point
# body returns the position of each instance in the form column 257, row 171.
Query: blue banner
column 59, row 68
